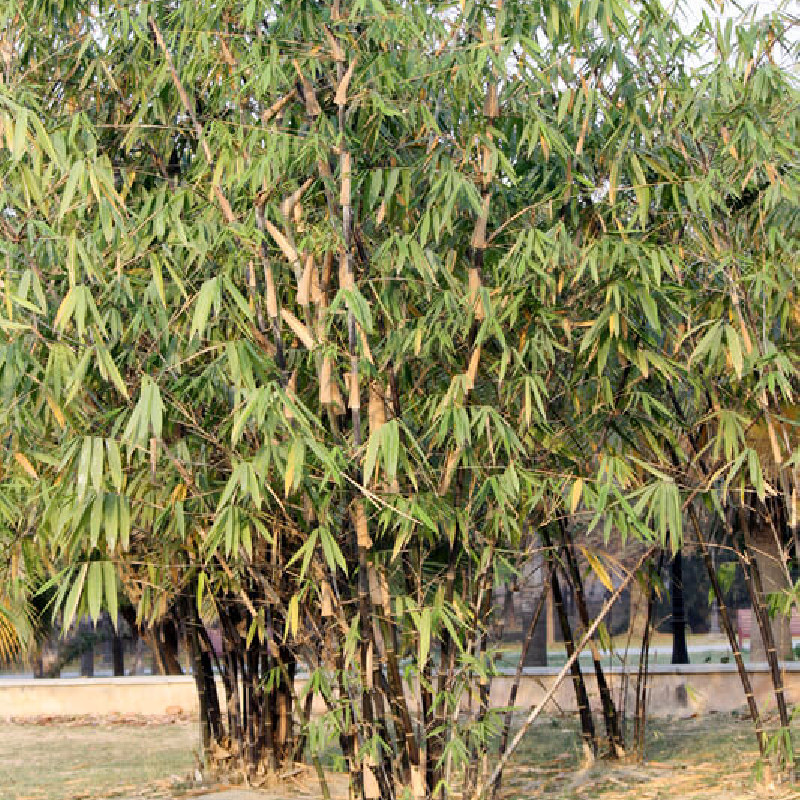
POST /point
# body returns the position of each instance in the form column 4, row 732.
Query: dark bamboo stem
column 536, row 710
column 640, row 713
column 755, row 589
column 610, row 716
column 512, row 695
column 733, row 640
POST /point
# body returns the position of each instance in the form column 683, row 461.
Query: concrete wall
column 672, row 690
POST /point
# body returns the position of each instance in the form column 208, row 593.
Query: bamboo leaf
column 599, row 570
column 75, row 592
column 26, row 465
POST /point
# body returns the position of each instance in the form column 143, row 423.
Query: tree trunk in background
column 117, row 654
column 680, row 653
column 769, row 558
column 637, row 620
column 87, row 654
column 534, row 584
column 537, row 652
column 164, row 641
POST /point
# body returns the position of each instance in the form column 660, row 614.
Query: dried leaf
column 354, row 400
column 377, row 407
column 345, row 275
column 272, row 297
column 372, row 790
column 365, row 345
column 327, row 599
column 417, row 782
column 326, row 382
column 475, row 301
column 491, row 106
column 599, row 570
column 289, row 204
column 341, row 92
column 360, row 523
column 336, row 48
column 277, row 106
column 316, row 292
column 312, row 105
column 282, row 242
column 304, row 287
column 472, row 369
column 344, row 194
column 227, row 56
column 449, row 470
column 309, row 514
column 299, row 329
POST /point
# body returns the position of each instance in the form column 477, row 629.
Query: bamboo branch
column 227, row 211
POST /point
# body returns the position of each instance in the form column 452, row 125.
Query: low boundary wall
column 673, row 690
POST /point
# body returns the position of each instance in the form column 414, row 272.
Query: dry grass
column 73, row 762
column 714, row 757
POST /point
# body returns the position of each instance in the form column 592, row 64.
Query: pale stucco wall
column 672, row 690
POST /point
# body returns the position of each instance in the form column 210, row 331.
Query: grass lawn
column 705, row 758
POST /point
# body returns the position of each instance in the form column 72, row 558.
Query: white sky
column 693, row 8
column 692, row 12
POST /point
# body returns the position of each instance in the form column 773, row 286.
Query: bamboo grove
column 320, row 320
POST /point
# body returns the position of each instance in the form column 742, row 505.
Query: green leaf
column 114, row 463
column 110, row 584
column 75, row 174
column 94, row 589
column 74, row 596
column 424, row 630
column 390, row 447
column 84, row 463
column 97, row 464
column 735, row 349
column 208, row 293
column 371, row 455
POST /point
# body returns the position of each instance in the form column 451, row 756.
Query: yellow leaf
column 575, row 495
column 598, row 569
column 57, row 412
column 64, row 308
column 26, row 465
column 291, row 468
column 293, row 615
